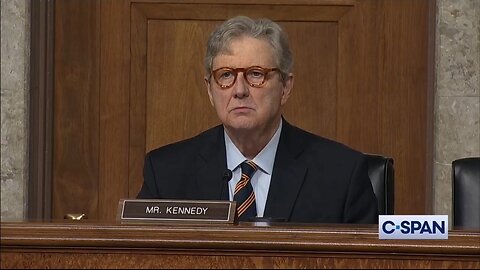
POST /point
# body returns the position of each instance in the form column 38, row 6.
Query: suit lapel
column 287, row 177
column 211, row 162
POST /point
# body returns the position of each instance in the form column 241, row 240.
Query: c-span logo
column 413, row 227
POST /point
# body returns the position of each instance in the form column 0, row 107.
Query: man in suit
column 271, row 168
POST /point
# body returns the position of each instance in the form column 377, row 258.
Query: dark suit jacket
column 314, row 179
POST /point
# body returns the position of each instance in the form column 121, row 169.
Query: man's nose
column 240, row 87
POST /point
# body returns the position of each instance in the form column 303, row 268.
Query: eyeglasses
column 255, row 76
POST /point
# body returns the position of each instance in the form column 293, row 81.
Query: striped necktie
column 244, row 195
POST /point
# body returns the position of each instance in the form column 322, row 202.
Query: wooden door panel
column 177, row 102
column 169, row 42
column 174, row 102
column 313, row 102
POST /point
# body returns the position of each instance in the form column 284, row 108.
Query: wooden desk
column 249, row 245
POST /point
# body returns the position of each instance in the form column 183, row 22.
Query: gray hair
column 239, row 26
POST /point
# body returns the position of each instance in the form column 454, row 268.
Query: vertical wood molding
column 114, row 96
column 431, row 24
column 138, row 75
column 76, row 120
column 41, row 110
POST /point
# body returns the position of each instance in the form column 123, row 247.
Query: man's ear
column 287, row 88
column 209, row 91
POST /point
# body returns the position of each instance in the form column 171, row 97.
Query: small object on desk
column 75, row 216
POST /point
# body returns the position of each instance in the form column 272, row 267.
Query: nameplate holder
column 156, row 210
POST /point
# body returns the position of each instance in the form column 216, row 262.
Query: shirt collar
column 264, row 159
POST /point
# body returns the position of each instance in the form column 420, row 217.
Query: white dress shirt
column 262, row 177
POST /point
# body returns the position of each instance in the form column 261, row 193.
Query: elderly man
column 271, row 168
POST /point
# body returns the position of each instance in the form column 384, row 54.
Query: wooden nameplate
column 156, row 210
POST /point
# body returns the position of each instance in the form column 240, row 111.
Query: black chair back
column 381, row 172
column 466, row 192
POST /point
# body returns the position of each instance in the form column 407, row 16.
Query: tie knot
column 249, row 168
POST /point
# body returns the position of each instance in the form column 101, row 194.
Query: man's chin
column 241, row 125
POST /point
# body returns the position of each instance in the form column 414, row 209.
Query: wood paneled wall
column 129, row 78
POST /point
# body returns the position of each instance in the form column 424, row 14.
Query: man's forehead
column 248, row 50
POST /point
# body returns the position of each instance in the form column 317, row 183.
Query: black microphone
column 227, row 176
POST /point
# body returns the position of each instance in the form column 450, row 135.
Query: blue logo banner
column 413, row 227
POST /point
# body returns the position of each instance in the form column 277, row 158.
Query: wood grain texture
column 132, row 260
column 109, row 245
column 177, row 104
column 76, row 108
column 313, row 102
column 138, row 82
column 114, row 110
column 383, row 89
column 40, row 141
